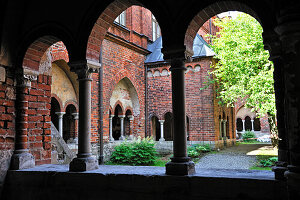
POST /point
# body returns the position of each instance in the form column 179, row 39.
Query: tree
column 243, row 71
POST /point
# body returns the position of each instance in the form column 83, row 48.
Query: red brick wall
column 39, row 133
column 119, row 62
column 7, row 112
column 201, row 106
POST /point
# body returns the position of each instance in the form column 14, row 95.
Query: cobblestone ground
column 231, row 158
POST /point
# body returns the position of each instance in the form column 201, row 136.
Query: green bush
column 195, row 151
column 139, row 152
column 248, row 136
column 268, row 162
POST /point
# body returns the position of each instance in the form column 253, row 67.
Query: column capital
column 60, row 114
column 76, row 116
column 243, row 120
column 289, row 28
column 161, row 121
column 85, row 68
column 272, row 44
column 130, row 117
column 177, row 52
column 24, row 77
column 121, row 116
column 111, row 116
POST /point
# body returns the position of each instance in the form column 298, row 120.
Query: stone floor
column 236, row 157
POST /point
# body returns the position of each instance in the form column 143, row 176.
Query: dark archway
column 168, row 127
column 128, row 123
column 116, row 123
column 155, row 128
column 188, row 127
column 69, row 123
column 239, row 124
column 55, row 107
column 257, row 126
column 248, row 123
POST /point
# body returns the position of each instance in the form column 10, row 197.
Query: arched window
column 239, row 124
column 155, row 128
column 248, row 124
column 257, row 124
column 168, row 127
column 55, row 107
column 121, row 19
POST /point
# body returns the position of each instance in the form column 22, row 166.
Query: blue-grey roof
column 200, row 48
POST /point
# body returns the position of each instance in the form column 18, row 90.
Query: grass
column 249, row 142
column 260, row 168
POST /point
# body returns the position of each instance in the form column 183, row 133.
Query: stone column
column 272, row 43
column 161, row 130
column 60, row 122
column 84, row 160
column 243, row 125
column 180, row 163
column 252, row 125
column 122, row 137
column 110, row 128
column 224, row 128
column 289, row 35
column 131, row 118
column 76, row 117
column 21, row 158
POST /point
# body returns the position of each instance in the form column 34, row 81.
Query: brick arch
column 118, row 77
column 128, row 108
column 36, row 42
column 62, row 109
column 59, row 51
column 102, row 24
column 71, row 102
column 164, row 113
column 121, row 105
column 210, row 11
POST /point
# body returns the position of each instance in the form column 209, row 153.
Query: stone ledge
column 128, row 182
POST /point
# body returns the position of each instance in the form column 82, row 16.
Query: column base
column 83, row 164
column 121, row 138
column 22, row 161
column 180, row 166
column 279, row 169
column 111, row 139
column 162, row 139
column 293, row 182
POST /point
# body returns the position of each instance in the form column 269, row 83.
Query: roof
column 200, row 48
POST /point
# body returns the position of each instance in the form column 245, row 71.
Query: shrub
column 196, row 150
column 249, row 136
column 268, row 162
column 139, row 152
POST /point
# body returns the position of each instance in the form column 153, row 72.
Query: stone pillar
column 21, row 158
column 60, row 122
column 243, row 125
column 180, row 163
column 131, row 118
column 76, row 117
column 110, row 128
column 252, row 125
column 289, row 35
column 84, row 160
column 161, row 130
column 122, row 137
column 272, row 43
column 224, row 128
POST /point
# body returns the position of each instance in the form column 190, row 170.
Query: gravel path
column 230, row 158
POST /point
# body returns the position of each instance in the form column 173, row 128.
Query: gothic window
column 155, row 29
column 121, row 19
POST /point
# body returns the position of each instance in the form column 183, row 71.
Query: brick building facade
column 126, row 90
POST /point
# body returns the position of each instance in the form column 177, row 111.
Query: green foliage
column 139, row 152
column 243, row 71
column 249, row 136
column 195, row 151
column 268, row 162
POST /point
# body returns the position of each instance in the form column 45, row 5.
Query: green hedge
column 139, row 152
